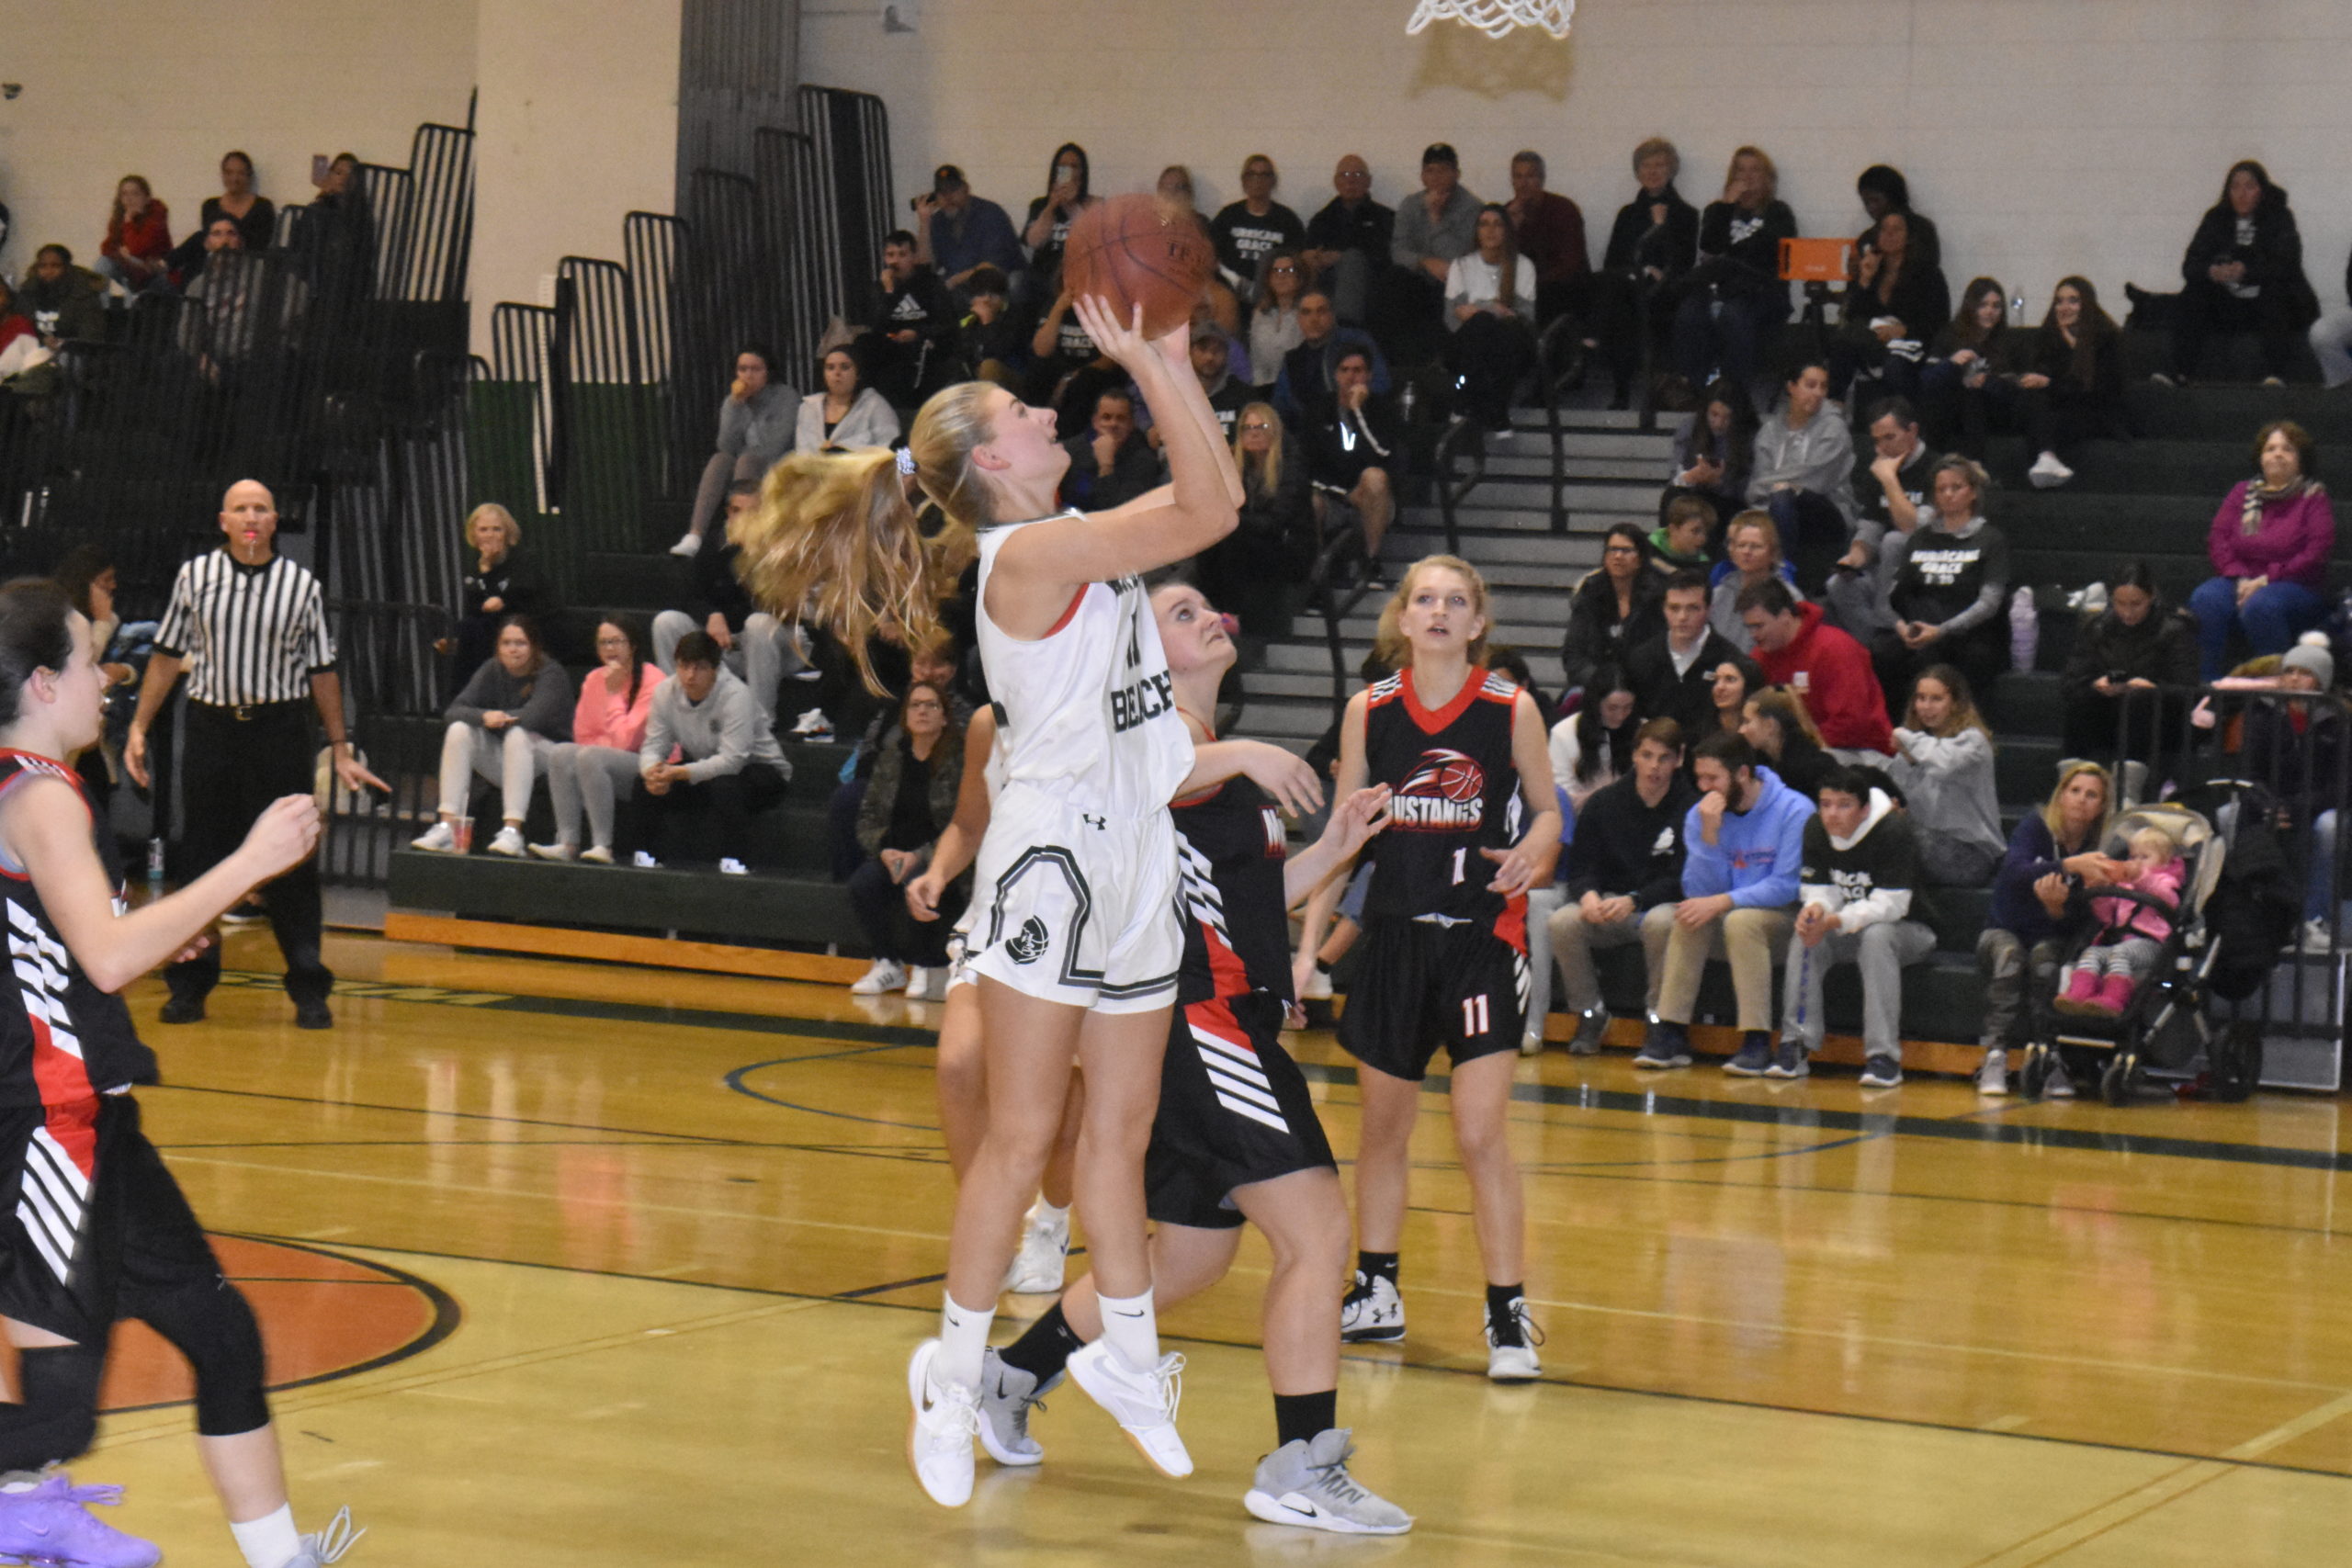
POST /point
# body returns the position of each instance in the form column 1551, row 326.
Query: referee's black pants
column 230, row 769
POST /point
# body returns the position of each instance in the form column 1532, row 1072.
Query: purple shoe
column 51, row 1524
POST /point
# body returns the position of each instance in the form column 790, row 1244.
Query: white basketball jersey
column 1089, row 709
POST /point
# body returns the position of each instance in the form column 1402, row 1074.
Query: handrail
column 1458, row 435
column 1548, row 370
column 1345, row 547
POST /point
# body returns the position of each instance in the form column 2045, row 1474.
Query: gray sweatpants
column 592, row 776
column 1881, row 952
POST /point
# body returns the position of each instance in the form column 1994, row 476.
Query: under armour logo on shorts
column 1098, row 823
column 1028, row 945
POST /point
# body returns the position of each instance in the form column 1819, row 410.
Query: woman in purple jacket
column 2270, row 544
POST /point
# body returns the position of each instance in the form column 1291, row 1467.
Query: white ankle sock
column 1045, row 1210
column 963, row 1337
column 1131, row 1329
column 270, row 1542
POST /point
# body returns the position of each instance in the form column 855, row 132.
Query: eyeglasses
column 1620, row 551
column 1255, row 429
column 926, row 705
column 1284, row 267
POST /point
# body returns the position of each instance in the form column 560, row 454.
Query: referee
column 250, row 628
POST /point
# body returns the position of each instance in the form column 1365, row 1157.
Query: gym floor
column 571, row 1264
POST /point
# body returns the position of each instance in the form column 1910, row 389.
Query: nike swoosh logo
column 1116, row 1313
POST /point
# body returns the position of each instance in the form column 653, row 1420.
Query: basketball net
column 1495, row 18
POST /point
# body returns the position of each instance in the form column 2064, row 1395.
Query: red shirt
column 1832, row 673
column 147, row 236
column 1551, row 234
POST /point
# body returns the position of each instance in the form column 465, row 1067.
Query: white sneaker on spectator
column 597, row 854
column 926, row 985
column 886, row 975
column 2048, row 472
column 1316, row 986
column 644, row 861
column 559, row 850
column 687, row 545
column 1992, row 1076
column 729, row 866
column 2160, row 379
column 2316, row 939
column 440, row 839
column 813, row 725
column 509, row 842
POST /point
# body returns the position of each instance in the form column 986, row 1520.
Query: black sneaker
column 1754, row 1059
column 1789, row 1062
column 312, row 1015
column 1882, row 1072
column 1590, row 1027
column 1668, row 1045
column 183, row 1010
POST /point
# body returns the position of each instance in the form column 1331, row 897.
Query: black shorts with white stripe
column 1234, row 1110
column 80, row 1248
column 1420, row 985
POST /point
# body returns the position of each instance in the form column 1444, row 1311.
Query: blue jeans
column 2270, row 619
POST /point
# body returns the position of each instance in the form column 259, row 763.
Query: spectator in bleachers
column 1489, row 306
column 1751, row 555
column 911, row 322
column 1782, row 732
column 1174, row 188
column 1679, row 542
column 254, row 215
column 1625, row 862
column 1275, row 329
column 1943, row 764
column 2298, row 746
column 1827, row 670
column 2072, row 387
column 499, row 581
column 1110, row 461
column 137, row 250
column 240, row 312
column 704, row 753
column 987, row 339
column 1066, row 369
column 20, row 347
column 2122, row 657
column 66, row 303
column 1735, row 296
column 1434, row 226
column 755, row 431
column 1248, row 231
column 1890, row 498
column 1713, row 449
column 1047, row 228
column 1968, row 385
column 2040, row 898
column 502, row 726
column 1729, row 685
column 336, row 241
column 590, row 770
column 1856, row 904
column 1616, row 607
column 1744, row 845
column 2244, row 272
column 760, row 650
column 956, row 233
column 1248, row 569
column 1653, row 242
column 1803, row 474
column 1593, row 746
column 1882, row 189
column 1948, row 584
column 1897, row 301
column 910, row 799
column 1548, row 230
column 2331, row 340
column 2269, row 545
column 1673, row 674
column 1307, row 382
column 847, row 414
column 1347, row 240
column 1356, row 449
column 1229, row 394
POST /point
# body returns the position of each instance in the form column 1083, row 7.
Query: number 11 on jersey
column 1474, row 1013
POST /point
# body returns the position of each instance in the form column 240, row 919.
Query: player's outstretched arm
column 1353, row 822
column 1285, row 777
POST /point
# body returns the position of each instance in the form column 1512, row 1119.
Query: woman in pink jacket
column 2270, row 544
column 600, row 760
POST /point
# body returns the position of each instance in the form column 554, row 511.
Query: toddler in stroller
column 2132, row 934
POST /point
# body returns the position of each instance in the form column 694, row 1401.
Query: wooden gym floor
column 573, row 1265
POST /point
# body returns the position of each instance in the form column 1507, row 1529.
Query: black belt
column 246, row 713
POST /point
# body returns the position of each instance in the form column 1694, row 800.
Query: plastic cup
column 464, row 827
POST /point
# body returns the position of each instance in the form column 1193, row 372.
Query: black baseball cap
column 947, row 177
column 1440, row 152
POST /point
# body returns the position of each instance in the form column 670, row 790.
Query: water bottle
column 1405, row 403
column 155, row 864
column 2025, row 629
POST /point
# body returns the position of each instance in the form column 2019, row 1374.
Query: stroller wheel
column 2035, row 1071
column 2115, row 1084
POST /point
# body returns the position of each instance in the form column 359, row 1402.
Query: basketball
column 1131, row 251
column 1460, row 779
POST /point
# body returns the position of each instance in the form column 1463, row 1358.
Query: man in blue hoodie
column 1745, row 845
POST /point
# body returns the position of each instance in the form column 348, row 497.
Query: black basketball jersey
column 1456, row 791
column 1230, row 845
column 61, row 1039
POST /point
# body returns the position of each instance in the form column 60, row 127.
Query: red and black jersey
column 1456, row 792
column 62, row 1040
column 1236, row 929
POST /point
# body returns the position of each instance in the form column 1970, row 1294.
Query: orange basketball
column 1131, row 251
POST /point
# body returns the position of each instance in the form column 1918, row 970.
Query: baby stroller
column 2165, row 1025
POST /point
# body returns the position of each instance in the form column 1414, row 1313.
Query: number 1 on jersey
column 1458, row 856
column 1473, row 1015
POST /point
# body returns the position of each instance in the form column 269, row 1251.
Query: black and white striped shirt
column 250, row 633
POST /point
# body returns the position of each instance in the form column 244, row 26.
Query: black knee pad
column 59, row 1418
column 210, row 1324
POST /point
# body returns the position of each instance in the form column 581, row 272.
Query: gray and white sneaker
column 1007, row 1396
column 439, row 840
column 1372, row 1313
column 1037, row 1266
column 1590, row 1027
column 1305, row 1482
column 2059, row 1084
column 1992, row 1076
column 1788, row 1061
column 329, row 1544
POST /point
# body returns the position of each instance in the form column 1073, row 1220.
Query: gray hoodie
column 717, row 735
column 1819, row 457
column 1949, row 784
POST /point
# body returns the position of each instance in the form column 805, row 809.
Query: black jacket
column 1623, row 847
column 1920, row 299
column 1595, row 637
column 1135, row 468
column 2303, row 766
column 2162, row 647
column 1635, row 243
column 1689, row 698
column 2274, row 262
column 1747, row 266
